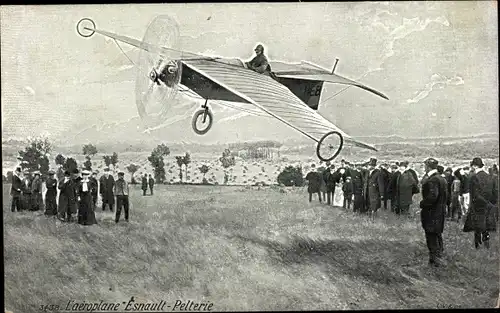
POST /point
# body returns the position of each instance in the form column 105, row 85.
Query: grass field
column 241, row 248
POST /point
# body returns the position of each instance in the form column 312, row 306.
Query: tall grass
column 242, row 249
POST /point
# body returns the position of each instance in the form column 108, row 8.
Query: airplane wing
column 271, row 97
column 311, row 71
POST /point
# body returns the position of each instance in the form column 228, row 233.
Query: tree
column 35, row 156
column 114, row 159
column 227, row 161
column 89, row 150
column 204, row 170
column 60, row 160
column 186, row 161
column 291, row 176
column 107, row 160
column 157, row 162
column 132, row 168
column 180, row 162
column 70, row 165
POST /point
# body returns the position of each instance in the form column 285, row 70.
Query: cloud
column 437, row 82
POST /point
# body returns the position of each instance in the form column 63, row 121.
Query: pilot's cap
column 259, row 47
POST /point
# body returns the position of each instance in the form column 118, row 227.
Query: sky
column 436, row 61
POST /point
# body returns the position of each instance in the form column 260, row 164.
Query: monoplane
column 291, row 94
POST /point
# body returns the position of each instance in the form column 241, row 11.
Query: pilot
column 259, row 63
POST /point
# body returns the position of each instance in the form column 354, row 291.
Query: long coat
column 483, row 211
column 36, row 194
column 386, row 176
column 405, row 187
column 17, row 186
column 357, row 182
column 374, row 189
column 314, row 179
column 50, row 196
column 86, row 213
column 68, row 196
column 144, row 185
column 26, row 198
column 433, row 204
column 107, row 186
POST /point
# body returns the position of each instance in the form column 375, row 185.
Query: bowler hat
column 432, row 163
column 477, row 162
column 121, row 173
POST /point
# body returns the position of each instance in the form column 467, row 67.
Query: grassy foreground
column 242, row 249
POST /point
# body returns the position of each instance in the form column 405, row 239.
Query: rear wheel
column 202, row 121
column 329, row 146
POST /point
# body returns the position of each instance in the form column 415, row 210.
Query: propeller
column 158, row 73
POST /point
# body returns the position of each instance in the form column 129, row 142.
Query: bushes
column 291, row 176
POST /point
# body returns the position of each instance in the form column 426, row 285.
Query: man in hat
column 314, row 183
column 94, row 186
column 36, row 192
column 394, row 178
column 483, row 214
column 51, row 194
column 448, row 175
column 374, row 188
column 68, row 197
column 357, row 188
column 386, row 176
column 406, row 186
column 144, row 185
column 16, row 190
column 259, row 63
column 331, row 179
column 107, row 183
column 433, row 207
column 121, row 192
column 151, row 183
column 26, row 198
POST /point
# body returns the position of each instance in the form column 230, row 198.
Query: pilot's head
column 259, row 49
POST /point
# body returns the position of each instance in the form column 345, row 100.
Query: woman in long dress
column 86, row 214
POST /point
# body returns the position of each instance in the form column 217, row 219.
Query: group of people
column 469, row 191
column 78, row 194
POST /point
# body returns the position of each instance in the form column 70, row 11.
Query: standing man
column 433, row 207
column 107, row 183
column 50, row 196
column 386, row 177
column 121, row 192
column 26, row 189
column 374, row 188
column 483, row 212
column 36, row 192
column 94, row 186
column 331, row 178
column 357, row 188
column 448, row 175
column 16, row 190
column 144, row 185
column 314, row 183
column 406, row 187
column 68, row 197
column 151, row 182
column 395, row 173
column 465, row 189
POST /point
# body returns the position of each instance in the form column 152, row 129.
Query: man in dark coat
column 386, row 177
column 94, row 187
column 26, row 198
column 483, row 212
column 151, row 183
column 347, row 189
column 107, row 183
column 68, row 197
column 373, row 188
column 395, row 173
column 16, row 190
column 51, row 195
column 331, row 178
column 36, row 192
column 405, row 187
column 314, row 183
column 357, row 188
column 144, row 185
column 121, row 192
column 433, row 207
column 448, row 175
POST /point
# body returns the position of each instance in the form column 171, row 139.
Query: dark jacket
column 151, row 182
column 106, row 190
column 331, row 179
column 406, row 186
column 374, row 189
column 68, row 196
column 433, row 204
column 483, row 210
column 94, row 186
column 314, row 179
column 259, row 63
column 357, row 182
column 347, row 188
column 144, row 185
column 17, row 186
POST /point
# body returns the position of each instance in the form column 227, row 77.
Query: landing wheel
column 202, row 121
column 85, row 27
column 329, row 146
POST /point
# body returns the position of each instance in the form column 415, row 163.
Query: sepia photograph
column 250, row 156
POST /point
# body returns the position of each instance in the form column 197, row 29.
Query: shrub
column 291, row 176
